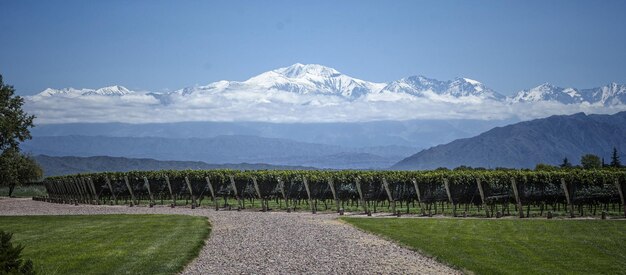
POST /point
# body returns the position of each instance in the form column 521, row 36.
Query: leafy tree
column 14, row 122
column 10, row 257
column 615, row 162
column 18, row 169
column 590, row 161
column 566, row 164
column 545, row 167
column 14, row 128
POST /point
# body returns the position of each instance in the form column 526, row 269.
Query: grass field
column 509, row 246
column 108, row 244
column 24, row 191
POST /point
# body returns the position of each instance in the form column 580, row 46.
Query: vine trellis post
column 332, row 189
column 130, row 190
column 620, row 190
column 520, row 210
column 482, row 196
column 210, row 186
column 108, row 183
column 169, row 187
column 567, row 191
column 390, row 196
column 193, row 198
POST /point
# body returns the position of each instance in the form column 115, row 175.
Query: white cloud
column 282, row 106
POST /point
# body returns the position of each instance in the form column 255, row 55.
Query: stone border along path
column 269, row 243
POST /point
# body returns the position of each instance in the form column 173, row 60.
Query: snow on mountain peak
column 115, row 90
column 301, row 70
column 471, row 81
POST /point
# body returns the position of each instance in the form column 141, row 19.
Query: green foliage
column 109, row 244
column 508, row 246
column 11, row 257
column 14, row 122
column 590, row 161
column 18, row 169
column 545, row 167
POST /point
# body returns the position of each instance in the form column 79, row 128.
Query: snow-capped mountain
column 71, row 92
column 460, row 87
column 298, row 78
column 608, row 95
column 316, row 92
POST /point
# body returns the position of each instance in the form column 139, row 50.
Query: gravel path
column 269, row 243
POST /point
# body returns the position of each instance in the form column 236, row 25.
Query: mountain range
column 317, row 94
column 316, row 79
column 525, row 144
column 221, row 150
column 56, row 166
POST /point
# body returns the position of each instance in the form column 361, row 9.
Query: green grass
column 509, row 246
column 24, row 191
column 108, row 244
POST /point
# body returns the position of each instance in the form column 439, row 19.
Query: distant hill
column 55, row 166
column 221, row 150
column 524, row 144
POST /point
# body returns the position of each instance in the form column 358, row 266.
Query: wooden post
column 234, row 186
column 332, row 189
column 482, row 196
column 308, row 193
column 111, row 188
column 520, row 210
column 95, row 192
column 208, row 184
column 147, row 184
column 567, row 197
column 358, row 189
column 419, row 196
column 132, row 195
column 258, row 193
column 169, row 186
column 193, row 198
column 282, row 191
column 446, row 185
column 620, row 190
column 79, row 190
column 391, row 200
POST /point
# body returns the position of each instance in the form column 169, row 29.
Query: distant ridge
column 56, row 166
column 524, row 144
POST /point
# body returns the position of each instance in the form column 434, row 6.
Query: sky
column 168, row 45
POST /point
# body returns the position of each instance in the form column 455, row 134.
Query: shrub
column 11, row 258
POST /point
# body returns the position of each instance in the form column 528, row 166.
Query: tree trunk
column 11, row 188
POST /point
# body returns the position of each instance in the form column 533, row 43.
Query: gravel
column 269, row 243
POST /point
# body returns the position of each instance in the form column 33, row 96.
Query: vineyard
column 458, row 193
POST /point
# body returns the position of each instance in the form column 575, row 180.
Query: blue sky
column 161, row 45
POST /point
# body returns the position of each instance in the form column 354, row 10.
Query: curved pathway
column 269, row 243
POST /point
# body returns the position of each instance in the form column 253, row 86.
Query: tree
column 615, row 159
column 18, row 169
column 545, row 167
column 590, row 161
column 14, row 128
column 10, row 257
column 566, row 164
column 14, row 122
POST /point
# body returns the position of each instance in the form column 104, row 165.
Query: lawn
column 31, row 190
column 108, row 244
column 511, row 246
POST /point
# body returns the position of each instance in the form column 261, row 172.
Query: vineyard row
column 573, row 191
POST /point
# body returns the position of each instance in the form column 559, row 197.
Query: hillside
column 55, row 166
column 221, row 150
column 524, row 144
